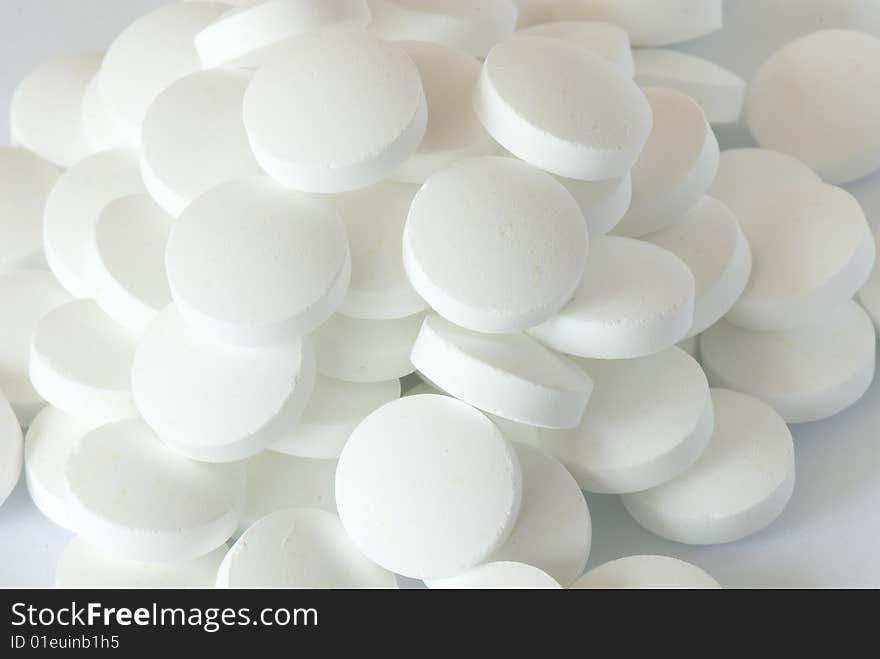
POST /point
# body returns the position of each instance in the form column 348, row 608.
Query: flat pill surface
column 494, row 245
column 646, row 572
column 11, row 451
column 428, row 487
column 25, row 183
column 788, row 106
column 315, row 146
column 82, row 565
column 676, row 166
column 276, row 482
column 604, row 39
column 193, row 138
column 869, row 295
column 132, row 496
column 216, row 402
column 738, row 486
column 805, row 374
column 498, row 575
column 635, row 299
column 648, row 420
column 101, row 130
column 524, row 99
column 299, row 548
column 603, row 203
column 509, row 375
column 709, row 241
column 252, row 263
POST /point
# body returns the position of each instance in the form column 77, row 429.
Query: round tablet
column 648, row 420
column 46, row 111
column 525, row 97
column 125, row 261
column 335, row 408
column 361, row 351
column 453, row 131
column 788, row 106
column 216, row 402
column 276, row 481
column 316, row 146
column 73, row 207
column 719, row 92
column 82, row 565
column 603, row 203
column 150, row 54
column 635, row 299
column 494, row 245
column 248, row 35
column 134, row 497
column 510, row 375
column 676, row 166
column 471, row 26
column 50, row 439
column 646, row 572
column 709, row 241
column 553, row 531
column 99, row 127
column 299, row 548
column 252, row 263
column 25, row 183
column 604, row 39
column 25, row 297
column 498, row 575
column 193, row 138
column 428, row 487
column 805, row 374
column 869, row 295
column 81, row 362
column 374, row 218
column 739, row 485
column 11, row 451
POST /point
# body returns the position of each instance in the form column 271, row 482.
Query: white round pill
column 498, row 575
column 676, row 166
column 709, row 241
column 739, row 485
column 25, row 297
column 276, row 482
column 719, row 92
column 604, row 39
column 648, row 420
column 215, row 402
column 869, row 295
column 525, row 97
column 635, row 299
column 494, row 245
column 816, row 99
column 299, row 548
column 805, row 374
column 46, row 115
column 374, row 218
column 366, row 112
column 73, row 207
column 101, row 130
column 132, row 496
column 252, row 263
column 11, row 450
column 453, row 131
column 428, row 487
column 335, row 408
column 646, row 571
column 83, row 565
column 193, row 138
column 603, row 203
column 150, row 54
column 510, row 375
column 81, row 362
column 25, row 183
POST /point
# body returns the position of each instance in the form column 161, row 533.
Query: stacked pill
column 242, row 228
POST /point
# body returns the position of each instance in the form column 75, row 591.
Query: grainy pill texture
column 132, row 496
column 740, row 484
column 646, row 572
column 215, row 402
column 252, row 263
column 524, row 99
column 299, row 548
column 869, row 295
column 320, row 146
column 428, row 487
column 11, row 450
column 494, row 245
column 603, row 203
column 499, row 575
column 604, row 39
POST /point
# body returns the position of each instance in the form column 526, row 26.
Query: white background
column 830, row 533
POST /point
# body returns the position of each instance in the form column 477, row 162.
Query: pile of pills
column 229, row 243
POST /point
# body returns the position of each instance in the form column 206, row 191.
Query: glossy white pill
column 498, row 576
column 603, row 203
column 604, row 39
column 101, row 130
column 646, row 572
column 869, row 295
column 11, row 450
column 276, row 482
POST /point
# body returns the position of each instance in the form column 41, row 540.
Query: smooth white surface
column 604, row 39
column 869, row 296
column 11, row 450
column 646, row 572
column 499, row 575
column 276, row 481
column 603, row 203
